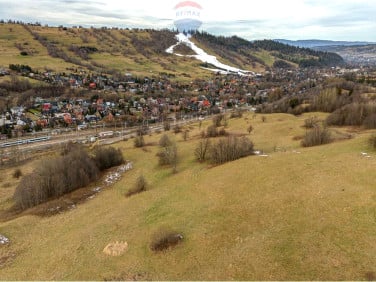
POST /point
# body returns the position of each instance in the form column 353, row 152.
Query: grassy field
column 12, row 34
column 297, row 214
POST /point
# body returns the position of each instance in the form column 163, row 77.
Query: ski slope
column 205, row 57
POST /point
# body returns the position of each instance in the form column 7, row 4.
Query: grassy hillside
column 298, row 214
column 140, row 52
column 14, row 34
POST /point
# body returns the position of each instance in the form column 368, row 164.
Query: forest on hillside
column 304, row 57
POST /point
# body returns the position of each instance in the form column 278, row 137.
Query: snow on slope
column 205, row 57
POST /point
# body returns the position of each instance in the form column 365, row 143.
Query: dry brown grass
column 306, row 215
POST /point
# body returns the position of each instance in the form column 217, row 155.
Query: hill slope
column 299, row 214
column 265, row 52
column 135, row 51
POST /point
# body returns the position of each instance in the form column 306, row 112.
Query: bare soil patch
column 115, row 249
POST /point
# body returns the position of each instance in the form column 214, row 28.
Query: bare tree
column 202, row 149
column 168, row 155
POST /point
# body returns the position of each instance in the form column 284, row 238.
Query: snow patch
column 205, row 57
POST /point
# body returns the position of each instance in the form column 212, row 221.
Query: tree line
column 74, row 169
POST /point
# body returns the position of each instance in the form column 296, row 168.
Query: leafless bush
column 316, row 136
column 108, row 157
column 311, row 122
column 331, row 99
column 168, row 155
column 230, row 149
column 165, row 141
column 164, row 238
column 139, row 187
column 355, row 114
column 218, row 119
column 211, row 131
column 202, row 150
column 238, row 113
column 139, row 141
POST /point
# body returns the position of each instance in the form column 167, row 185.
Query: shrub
column 106, row 158
column 164, row 238
column 17, row 173
column 230, row 149
column 237, row 114
column 139, row 187
column 311, row 122
column 372, row 141
column 316, row 136
column 168, row 155
column 218, row 119
column 139, row 141
column 212, row 131
column 165, row 141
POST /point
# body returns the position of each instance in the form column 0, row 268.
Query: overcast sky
column 351, row 20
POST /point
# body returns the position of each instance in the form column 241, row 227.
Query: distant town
column 130, row 101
